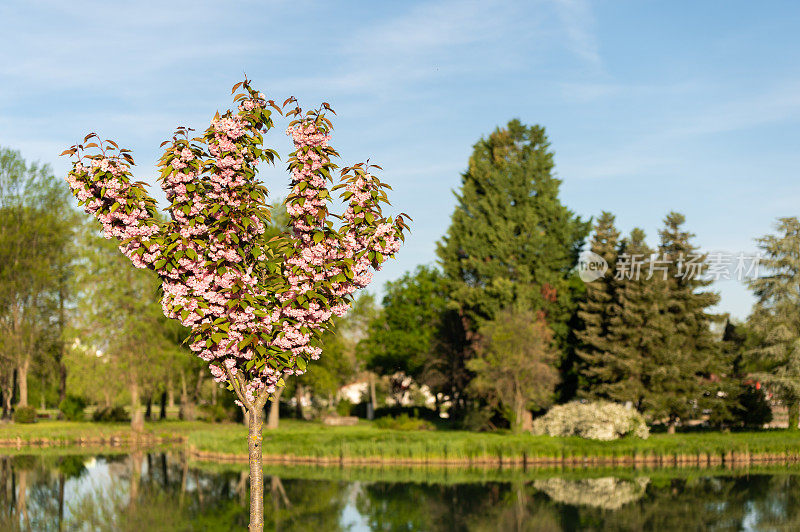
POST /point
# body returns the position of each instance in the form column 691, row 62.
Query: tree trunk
column 62, row 382
column 671, row 427
column 184, row 477
column 22, row 500
column 274, row 410
column 373, row 398
column 8, row 393
column 136, row 473
column 162, row 414
column 527, row 420
column 241, row 488
column 170, row 395
column 523, row 420
column 186, row 412
column 164, row 471
column 42, row 403
column 137, row 420
column 794, row 414
column 148, row 411
column 22, row 382
column 199, row 387
column 256, row 416
column 62, row 367
column 60, row 502
column 298, row 397
column 372, row 395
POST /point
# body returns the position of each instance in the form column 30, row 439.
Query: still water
column 147, row 491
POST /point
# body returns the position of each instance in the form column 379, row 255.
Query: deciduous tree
column 256, row 306
column 514, row 364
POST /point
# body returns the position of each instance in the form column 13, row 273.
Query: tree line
column 502, row 327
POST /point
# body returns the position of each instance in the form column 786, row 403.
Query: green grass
column 367, row 441
column 70, row 431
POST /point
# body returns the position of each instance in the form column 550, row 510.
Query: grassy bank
column 365, row 441
column 69, row 432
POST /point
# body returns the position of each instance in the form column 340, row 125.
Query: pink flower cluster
column 256, row 307
column 103, row 187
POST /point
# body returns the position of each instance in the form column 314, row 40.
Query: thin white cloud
column 660, row 147
column 578, row 24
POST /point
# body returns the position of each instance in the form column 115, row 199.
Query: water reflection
column 163, row 491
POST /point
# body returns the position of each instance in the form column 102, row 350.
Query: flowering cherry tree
column 256, row 306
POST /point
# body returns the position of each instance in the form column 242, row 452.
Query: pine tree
column 679, row 366
column 776, row 315
column 594, row 311
column 511, row 242
column 630, row 337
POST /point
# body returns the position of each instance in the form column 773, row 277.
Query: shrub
column 25, row 414
column 403, row 422
column 478, row 419
column 216, row 413
column 344, row 407
column 108, row 414
column 755, row 410
column 599, row 420
column 72, row 408
column 421, row 412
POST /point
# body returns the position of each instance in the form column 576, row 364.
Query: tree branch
column 238, row 387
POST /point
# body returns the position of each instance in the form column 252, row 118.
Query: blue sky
column 650, row 106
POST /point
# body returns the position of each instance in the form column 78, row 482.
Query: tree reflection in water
column 162, row 491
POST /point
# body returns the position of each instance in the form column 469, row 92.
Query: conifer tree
column 776, row 315
column 675, row 371
column 617, row 375
column 594, row 311
column 511, row 241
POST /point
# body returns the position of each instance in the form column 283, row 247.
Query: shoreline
column 364, row 445
column 702, row 460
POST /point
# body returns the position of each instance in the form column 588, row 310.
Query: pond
column 162, row 490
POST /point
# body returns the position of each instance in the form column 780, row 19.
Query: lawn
column 72, row 431
column 365, row 440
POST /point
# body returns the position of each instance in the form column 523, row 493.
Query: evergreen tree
column 594, row 311
column 680, row 365
column 776, row 315
column 618, row 374
column 511, row 242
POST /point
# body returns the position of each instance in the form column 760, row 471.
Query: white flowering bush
column 600, row 420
